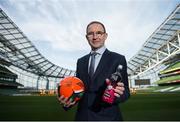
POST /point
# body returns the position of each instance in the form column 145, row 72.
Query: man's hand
column 119, row 90
column 65, row 102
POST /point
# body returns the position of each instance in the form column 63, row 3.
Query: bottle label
column 108, row 95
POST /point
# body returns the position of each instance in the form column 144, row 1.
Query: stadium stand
column 23, row 58
column 159, row 48
column 171, row 75
column 8, row 79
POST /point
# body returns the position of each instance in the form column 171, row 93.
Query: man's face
column 96, row 36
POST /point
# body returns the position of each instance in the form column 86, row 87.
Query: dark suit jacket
column 91, row 106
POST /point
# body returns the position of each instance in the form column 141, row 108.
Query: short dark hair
column 97, row 22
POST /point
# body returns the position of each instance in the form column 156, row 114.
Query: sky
column 57, row 28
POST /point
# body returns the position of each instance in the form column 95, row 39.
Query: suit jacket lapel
column 102, row 63
column 86, row 62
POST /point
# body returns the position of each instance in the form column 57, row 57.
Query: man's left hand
column 119, row 90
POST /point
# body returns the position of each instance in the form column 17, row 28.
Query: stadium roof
column 17, row 49
column 161, row 36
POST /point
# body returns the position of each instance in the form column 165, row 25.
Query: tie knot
column 94, row 53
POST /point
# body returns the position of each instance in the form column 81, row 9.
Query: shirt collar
column 100, row 51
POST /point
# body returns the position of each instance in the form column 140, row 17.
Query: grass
column 155, row 89
column 32, row 108
column 148, row 106
column 153, row 106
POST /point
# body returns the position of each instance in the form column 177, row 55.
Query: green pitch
column 152, row 106
column 149, row 106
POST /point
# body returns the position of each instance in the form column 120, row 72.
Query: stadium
column 28, row 80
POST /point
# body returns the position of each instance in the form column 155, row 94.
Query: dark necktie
column 92, row 64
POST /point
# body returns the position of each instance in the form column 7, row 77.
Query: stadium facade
column 21, row 58
column 163, row 45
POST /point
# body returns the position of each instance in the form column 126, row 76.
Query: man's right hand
column 65, row 102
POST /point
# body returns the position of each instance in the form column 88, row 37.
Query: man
column 94, row 70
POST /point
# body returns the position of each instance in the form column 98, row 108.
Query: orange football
column 71, row 88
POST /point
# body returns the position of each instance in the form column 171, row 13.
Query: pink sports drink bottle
column 108, row 95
